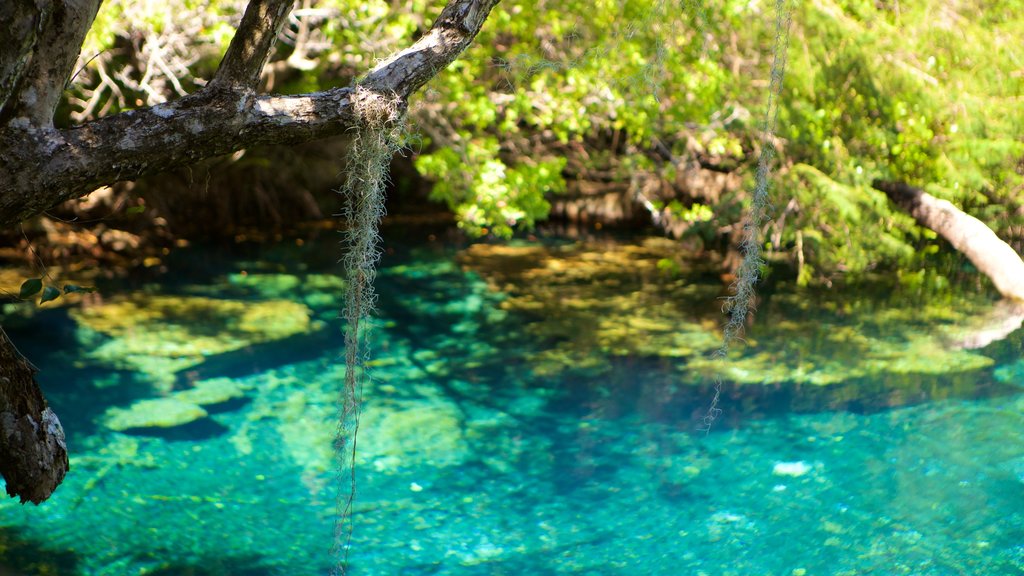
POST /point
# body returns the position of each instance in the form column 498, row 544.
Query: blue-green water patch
column 532, row 411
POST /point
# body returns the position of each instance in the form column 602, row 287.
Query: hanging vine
column 740, row 304
column 381, row 122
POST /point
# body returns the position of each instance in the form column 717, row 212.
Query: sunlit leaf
column 75, row 289
column 49, row 293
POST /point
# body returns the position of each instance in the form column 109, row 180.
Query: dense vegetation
column 641, row 96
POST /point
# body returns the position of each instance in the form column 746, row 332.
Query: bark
column 33, row 455
column 21, row 22
column 990, row 255
column 51, row 64
column 249, row 51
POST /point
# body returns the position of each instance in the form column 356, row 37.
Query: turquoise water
column 501, row 436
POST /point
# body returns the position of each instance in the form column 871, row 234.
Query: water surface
column 533, row 410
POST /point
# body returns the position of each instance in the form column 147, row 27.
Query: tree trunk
column 990, row 255
column 33, row 455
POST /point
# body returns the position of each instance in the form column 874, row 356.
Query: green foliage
column 488, row 195
column 900, row 95
column 843, row 227
column 30, row 287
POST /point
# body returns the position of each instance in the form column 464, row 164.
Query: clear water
column 501, row 436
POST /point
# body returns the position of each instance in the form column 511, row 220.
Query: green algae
column 412, row 434
column 468, row 463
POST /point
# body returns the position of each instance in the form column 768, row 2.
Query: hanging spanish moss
column 740, row 304
column 377, row 140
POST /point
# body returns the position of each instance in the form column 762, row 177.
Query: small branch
column 405, row 72
column 990, row 255
column 249, row 51
column 51, row 64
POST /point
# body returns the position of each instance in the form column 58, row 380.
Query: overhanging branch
column 41, row 166
column 990, row 255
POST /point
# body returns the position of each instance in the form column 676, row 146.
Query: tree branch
column 21, row 22
column 52, row 62
column 59, row 165
column 990, row 255
column 42, row 166
column 407, row 71
column 249, row 50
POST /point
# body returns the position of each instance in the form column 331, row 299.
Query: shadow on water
column 651, row 389
column 22, row 557
column 197, row 431
column 263, row 356
column 231, row 566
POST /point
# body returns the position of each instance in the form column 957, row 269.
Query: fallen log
column 991, row 256
column 33, row 454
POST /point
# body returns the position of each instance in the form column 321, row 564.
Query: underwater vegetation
column 593, row 302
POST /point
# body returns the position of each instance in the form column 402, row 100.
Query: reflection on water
column 533, row 411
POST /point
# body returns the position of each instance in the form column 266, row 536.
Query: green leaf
column 30, row 287
column 49, row 293
column 75, row 289
column 135, row 210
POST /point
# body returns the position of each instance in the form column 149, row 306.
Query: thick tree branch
column 21, row 22
column 33, row 455
column 990, row 255
column 59, row 165
column 52, row 62
column 42, row 166
column 250, row 48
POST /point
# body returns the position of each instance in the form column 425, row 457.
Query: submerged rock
column 159, row 335
column 593, row 301
column 153, row 413
column 413, row 433
column 212, row 391
column 793, row 469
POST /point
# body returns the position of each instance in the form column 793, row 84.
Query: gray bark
column 991, row 256
column 250, row 48
column 51, row 64
column 41, row 166
column 21, row 22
